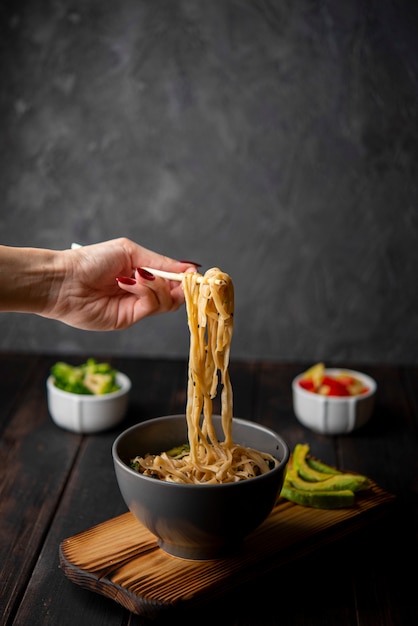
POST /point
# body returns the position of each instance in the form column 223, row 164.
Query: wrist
column 30, row 279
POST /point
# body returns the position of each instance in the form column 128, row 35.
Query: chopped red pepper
column 307, row 383
column 334, row 387
column 343, row 384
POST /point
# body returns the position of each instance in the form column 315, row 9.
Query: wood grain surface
column 121, row 559
column 56, row 484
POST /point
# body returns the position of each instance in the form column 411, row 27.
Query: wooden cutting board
column 121, row 559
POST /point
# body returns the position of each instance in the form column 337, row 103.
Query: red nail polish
column 125, row 280
column 192, row 263
column 145, row 274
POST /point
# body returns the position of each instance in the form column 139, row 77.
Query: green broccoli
column 90, row 378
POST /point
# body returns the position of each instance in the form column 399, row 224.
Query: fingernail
column 125, row 280
column 192, row 263
column 145, row 274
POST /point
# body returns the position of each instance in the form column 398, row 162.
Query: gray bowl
column 197, row 521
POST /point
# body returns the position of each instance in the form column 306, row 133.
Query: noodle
column 210, row 310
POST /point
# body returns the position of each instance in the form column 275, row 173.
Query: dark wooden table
column 55, row 484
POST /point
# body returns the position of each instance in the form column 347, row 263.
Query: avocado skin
column 319, row 499
column 337, row 482
column 309, row 482
column 316, row 464
column 306, row 471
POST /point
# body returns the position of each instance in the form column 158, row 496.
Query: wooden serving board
column 121, row 559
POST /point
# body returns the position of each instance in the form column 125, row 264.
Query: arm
column 28, row 278
column 80, row 287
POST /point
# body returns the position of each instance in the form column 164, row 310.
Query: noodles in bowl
column 210, row 313
column 202, row 502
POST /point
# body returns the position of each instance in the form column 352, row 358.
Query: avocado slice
column 305, row 471
column 337, row 482
column 319, row 499
column 318, row 465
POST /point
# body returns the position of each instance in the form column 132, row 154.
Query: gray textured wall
column 277, row 140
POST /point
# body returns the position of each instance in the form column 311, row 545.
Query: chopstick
column 174, row 276
column 161, row 273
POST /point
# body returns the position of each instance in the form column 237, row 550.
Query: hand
column 93, row 298
column 80, row 288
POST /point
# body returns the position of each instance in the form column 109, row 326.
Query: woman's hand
column 95, row 287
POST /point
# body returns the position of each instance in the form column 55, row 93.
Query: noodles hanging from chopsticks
column 210, row 312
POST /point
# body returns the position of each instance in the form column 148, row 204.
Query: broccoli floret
column 99, row 383
column 89, row 378
column 100, row 368
column 179, row 451
column 69, row 378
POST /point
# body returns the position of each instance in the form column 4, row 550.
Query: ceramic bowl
column 334, row 415
column 88, row 413
column 197, row 521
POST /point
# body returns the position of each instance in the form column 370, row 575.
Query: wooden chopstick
column 174, row 276
column 161, row 273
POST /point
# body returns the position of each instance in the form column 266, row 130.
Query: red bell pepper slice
column 335, row 387
column 307, row 383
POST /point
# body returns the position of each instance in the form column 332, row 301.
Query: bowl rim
column 365, row 378
column 122, row 379
column 172, row 485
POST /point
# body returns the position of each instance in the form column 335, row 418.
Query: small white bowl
column 334, row 415
column 88, row 413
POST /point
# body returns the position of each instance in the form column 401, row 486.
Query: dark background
column 277, row 140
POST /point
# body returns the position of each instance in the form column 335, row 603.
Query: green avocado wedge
column 306, row 471
column 339, row 482
column 319, row 499
column 310, row 482
column 318, row 465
